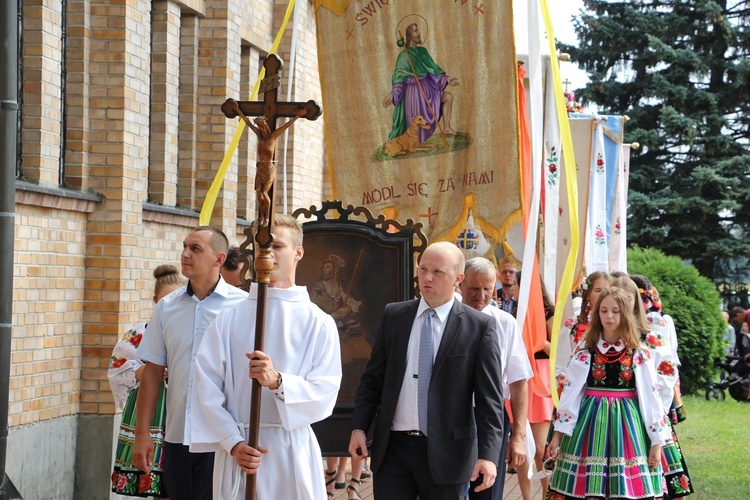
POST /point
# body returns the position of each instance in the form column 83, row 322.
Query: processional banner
column 420, row 107
column 581, row 130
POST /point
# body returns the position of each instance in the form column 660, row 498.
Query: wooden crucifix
column 264, row 126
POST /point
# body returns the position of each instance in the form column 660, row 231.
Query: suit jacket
column 467, row 364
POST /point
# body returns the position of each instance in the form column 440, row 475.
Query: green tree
column 680, row 70
column 695, row 306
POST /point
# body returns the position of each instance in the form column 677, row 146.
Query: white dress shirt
column 172, row 338
column 406, row 417
column 515, row 361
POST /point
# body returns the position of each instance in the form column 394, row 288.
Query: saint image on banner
column 419, row 88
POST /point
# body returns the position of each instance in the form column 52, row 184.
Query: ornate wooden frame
column 346, row 232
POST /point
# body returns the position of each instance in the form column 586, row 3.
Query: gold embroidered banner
column 420, row 102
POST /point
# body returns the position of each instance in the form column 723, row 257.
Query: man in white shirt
column 171, row 341
column 476, row 290
column 299, row 369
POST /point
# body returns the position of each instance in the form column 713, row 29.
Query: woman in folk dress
column 610, row 425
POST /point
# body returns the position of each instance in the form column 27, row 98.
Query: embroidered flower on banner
column 552, row 172
column 599, row 235
column 569, row 323
column 599, row 163
column 617, row 226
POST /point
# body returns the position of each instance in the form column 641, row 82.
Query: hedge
column 694, row 304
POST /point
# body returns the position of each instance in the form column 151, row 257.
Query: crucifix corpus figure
column 267, row 111
column 265, row 174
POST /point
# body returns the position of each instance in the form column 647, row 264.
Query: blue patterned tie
column 425, row 368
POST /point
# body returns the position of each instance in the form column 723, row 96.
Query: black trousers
column 495, row 492
column 405, row 473
column 189, row 476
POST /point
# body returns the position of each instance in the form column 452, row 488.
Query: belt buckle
column 414, row 433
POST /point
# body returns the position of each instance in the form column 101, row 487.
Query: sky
column 561, row 12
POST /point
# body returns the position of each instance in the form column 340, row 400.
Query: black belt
column 412, row 433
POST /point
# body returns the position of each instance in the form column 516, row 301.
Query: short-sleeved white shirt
column 172, row 338
column 516, row 365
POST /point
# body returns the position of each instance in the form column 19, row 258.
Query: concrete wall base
column 47, row 446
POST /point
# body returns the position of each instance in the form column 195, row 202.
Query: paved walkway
column 512, row 491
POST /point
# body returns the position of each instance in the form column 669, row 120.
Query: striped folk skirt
column 126, row 479
column 677, row 482
column 607, row 455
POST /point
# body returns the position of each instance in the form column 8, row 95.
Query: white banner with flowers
column 597, row 249
column 618, row 255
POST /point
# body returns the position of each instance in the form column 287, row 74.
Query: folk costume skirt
column 126, row 479
column 607, row 455
column 677, row 483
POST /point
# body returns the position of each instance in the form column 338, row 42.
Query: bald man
column 429, row 439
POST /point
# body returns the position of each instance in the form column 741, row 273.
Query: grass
column 714, row 440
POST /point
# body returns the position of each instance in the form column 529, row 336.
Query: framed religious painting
column 355, row 264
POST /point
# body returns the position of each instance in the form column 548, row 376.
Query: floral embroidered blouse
column 124, row 363
column 665, row 358
column 594, row 370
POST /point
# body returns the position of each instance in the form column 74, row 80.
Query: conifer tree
column 680, row 70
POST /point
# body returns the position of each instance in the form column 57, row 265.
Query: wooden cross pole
column 264, row 126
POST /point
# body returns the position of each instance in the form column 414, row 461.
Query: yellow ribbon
column 213, row 191
column 571, row 182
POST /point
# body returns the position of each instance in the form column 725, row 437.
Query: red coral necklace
column 612, row 356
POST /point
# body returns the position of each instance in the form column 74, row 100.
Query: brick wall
column 121, row 139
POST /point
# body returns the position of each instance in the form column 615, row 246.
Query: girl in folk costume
column 591, row 288
column 610, row 424
column 676, row 483
column 124, row 375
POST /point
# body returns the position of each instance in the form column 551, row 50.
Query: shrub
column 695, row 306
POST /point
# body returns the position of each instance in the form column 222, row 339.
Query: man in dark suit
column 429, row 439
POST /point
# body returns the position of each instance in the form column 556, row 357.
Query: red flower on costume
column 666, row 368
column 626, row 375
column 599, row 359
column 599, row 162
column 119, row 362
column 685, row 483
column 599, row 373
column 145, row 483
column 654, row 341
column 626, row 360
column 122, row 482
column 136, row 339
